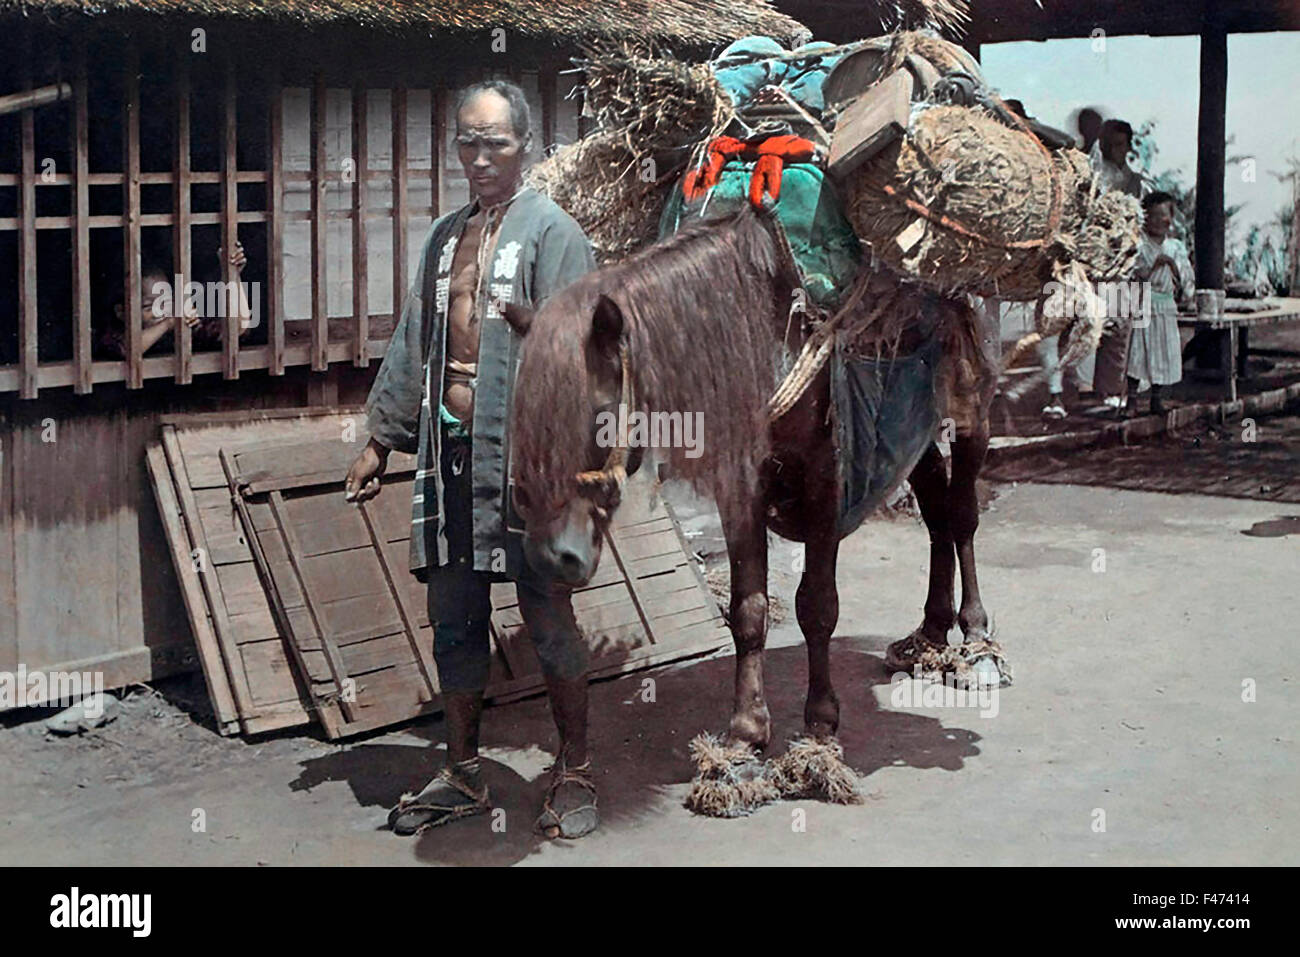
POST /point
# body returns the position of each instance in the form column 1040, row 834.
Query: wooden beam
column 275, row 239
column 319, row 301
column 1211, row 133
column 438, row 146
column 31, row 99
column 1293, row 247
column 28, row 353
column 229, row 223
column 399, row 199
column 360, row 203
column 82, row 353
column 181, row 199
column 548, row 81
column 131, row 224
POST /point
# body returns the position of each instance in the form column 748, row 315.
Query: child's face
column 150, row 294
column 1159, row 218
column 1116, row 146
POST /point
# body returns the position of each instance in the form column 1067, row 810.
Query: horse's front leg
column 817, row 604
column 746, row 535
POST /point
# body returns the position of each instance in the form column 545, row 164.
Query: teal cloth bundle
column 809, row 210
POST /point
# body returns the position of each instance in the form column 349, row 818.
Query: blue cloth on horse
column 810, row 212
column 885, row 417
column 751, row 63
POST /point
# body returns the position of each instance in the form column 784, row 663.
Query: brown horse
column 694, row 323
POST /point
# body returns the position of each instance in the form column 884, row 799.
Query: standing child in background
column 1155, row 353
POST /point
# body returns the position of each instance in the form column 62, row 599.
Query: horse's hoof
column 751, row 730
column 983, row 665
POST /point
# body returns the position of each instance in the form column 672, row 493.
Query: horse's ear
column 606, row 326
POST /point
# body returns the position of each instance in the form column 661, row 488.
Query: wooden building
column 140, row 136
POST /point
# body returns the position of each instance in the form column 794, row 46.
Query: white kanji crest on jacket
column 507, row 261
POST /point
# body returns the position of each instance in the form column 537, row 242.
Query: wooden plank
column 319, row 235
column 214, row 597
column 421, row 650
column 876, row 118
column 131, row 223
column 229, row 226
column 275, row 237
column 205, row 639
column 181, row 204
column 272, row 679
column 548, row 83
column 401, row 253
column 325, row 709
column 360, row 251
column 286, row 467
column 313, row 598
column 438, row 149
column 81, row 341
column 28, row 355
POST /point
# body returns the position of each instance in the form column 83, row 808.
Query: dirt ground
column 1126, row 739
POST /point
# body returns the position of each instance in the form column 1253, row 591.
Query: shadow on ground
column 640, row 747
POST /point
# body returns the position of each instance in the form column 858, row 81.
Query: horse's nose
column 571, row 564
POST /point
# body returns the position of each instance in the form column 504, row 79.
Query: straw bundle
column 604, row 186
column 651, row 112
column 970, row 205
column 658, row 103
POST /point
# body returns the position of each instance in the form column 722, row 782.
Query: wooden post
column 32, row 99
column 275, row 239
column 230, row 224
column 399, row 199
column 549, row 83
column 1211, row 152
column 81, row 341
column 181, row 239
column 319, row 182
column 360, row 205
column 131, row 222
column 1293, row 247
column 438, row 144
column 28, row 354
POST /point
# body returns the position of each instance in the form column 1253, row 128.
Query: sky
column 1158, row 78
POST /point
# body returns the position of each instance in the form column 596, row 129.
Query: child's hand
column 237, row 259
column 191, row 315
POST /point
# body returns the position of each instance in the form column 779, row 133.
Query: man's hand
column 362, row 482
column 520, row 317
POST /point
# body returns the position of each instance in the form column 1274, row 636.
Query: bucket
column 1210, row 303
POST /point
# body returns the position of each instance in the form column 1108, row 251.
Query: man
column 444, row 391
column 1110, row 162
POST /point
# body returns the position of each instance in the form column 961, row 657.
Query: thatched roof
column 681, row 21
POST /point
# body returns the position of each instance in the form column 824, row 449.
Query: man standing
column 444, row 391
column 1110, row 162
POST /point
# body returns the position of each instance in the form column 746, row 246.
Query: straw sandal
column 906, row 653
column 570, row 784
column 438, row 804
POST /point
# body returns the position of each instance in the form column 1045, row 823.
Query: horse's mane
column 699, row 316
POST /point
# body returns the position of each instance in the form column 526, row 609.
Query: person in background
column 1109, row 158
column 1109, row 161
column 157, row 324
column 1155, row 353
column 1089, row 123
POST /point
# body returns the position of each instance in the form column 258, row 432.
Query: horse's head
column 570, row 477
